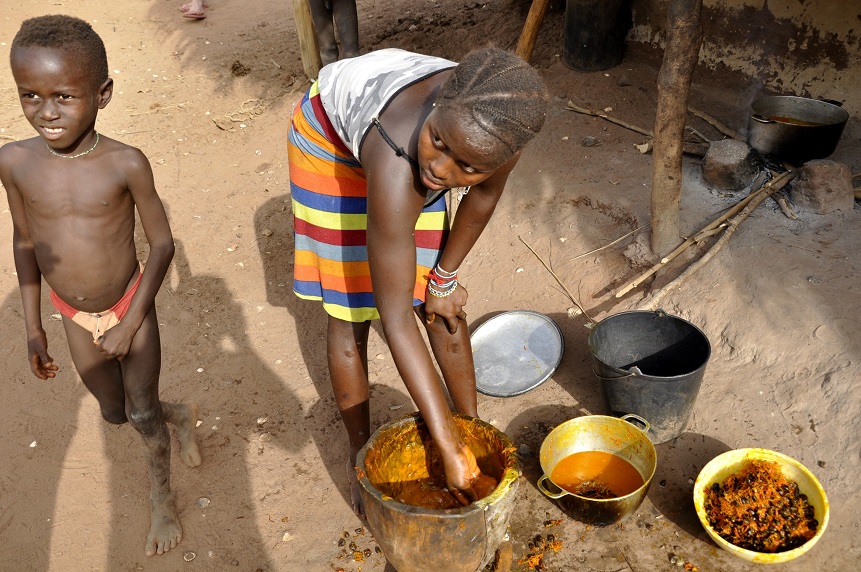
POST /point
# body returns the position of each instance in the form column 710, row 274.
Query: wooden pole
column 684, row 38
column 308, row 46
column 530, row 29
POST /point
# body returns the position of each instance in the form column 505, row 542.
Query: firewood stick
column 716, row 124
column 782, row 179
column 732, row 226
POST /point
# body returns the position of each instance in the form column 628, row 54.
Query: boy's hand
column 41, row 364
column 116, row 342
column 449, row 308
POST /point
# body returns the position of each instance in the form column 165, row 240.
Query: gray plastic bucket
column 650, row 364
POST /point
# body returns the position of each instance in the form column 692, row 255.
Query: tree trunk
column 684, row 38
column 308, row 47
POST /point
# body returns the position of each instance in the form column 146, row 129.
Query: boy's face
column 58, row 95
column 454, row 152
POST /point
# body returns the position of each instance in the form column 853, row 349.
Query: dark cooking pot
column 795, row 129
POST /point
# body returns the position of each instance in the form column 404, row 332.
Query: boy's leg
column 347, row 23
column 453, row 354
column 102, row 377
column 324, row 29
column 144, row 411
column 347, row 349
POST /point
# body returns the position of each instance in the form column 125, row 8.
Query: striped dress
column 328, row 187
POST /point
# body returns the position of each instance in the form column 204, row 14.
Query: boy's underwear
column 98, row 322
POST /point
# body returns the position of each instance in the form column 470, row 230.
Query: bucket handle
column 633, row 371
column 630, row 417
column 546, row 491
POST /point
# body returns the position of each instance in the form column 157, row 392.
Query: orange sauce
column 431, row 493
column 794, row 121
column 599, row 470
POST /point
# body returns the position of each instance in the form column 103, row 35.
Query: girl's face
column 58, row 95
column 455, row 152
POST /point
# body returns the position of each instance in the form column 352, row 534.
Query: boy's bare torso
column 81, row 220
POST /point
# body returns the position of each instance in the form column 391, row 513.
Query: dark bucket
column 650, row 364
column 595, row 31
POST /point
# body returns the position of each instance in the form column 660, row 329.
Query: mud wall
column 810, row 48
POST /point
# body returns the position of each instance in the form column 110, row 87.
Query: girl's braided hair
column 68, row 33
column 503, row 94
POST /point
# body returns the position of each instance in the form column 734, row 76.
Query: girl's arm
column 117, row 341
column 394, row 205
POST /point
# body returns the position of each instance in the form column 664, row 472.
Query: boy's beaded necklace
column 79, row 154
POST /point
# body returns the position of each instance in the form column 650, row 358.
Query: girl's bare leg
column 453, row 354
column 347, row 348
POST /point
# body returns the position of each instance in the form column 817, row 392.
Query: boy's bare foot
column 184, row 417
column 165, row 532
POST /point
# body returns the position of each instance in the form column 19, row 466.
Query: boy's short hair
column 502, row 93
column 68, row 33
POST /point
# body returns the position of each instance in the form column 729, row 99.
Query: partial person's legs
column 347, row 22
column 141, row 369
column 453, row 354
column 324, row 28
column 347, row 349
column 194, row 9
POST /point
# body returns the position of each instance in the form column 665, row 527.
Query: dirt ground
column 209, row 103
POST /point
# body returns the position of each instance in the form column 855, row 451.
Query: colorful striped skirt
column 329, row 195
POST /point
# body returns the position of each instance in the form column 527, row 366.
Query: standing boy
column 72, row 194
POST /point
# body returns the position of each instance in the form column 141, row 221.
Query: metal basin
column 598, row 433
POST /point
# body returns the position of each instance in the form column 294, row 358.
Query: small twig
column 716, row 124
column 570, row 295
column 856, row 175
column 157, row 109
column 624, row 236
column 574, row 107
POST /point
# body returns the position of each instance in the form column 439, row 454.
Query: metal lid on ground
column 515, row 352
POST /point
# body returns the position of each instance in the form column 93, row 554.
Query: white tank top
column 356, row 90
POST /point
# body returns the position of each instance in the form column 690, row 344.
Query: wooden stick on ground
column 716, row 124
column 733, row 225
column 780, row 180
column 574, row 107
column 570, row 295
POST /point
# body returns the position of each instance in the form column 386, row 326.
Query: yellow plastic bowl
column 731, row 462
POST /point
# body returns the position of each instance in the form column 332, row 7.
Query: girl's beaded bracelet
column 442, row 293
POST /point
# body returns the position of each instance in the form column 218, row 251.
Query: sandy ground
column 209, row 103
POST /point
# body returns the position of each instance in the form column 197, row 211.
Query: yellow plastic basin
column 731, row 462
